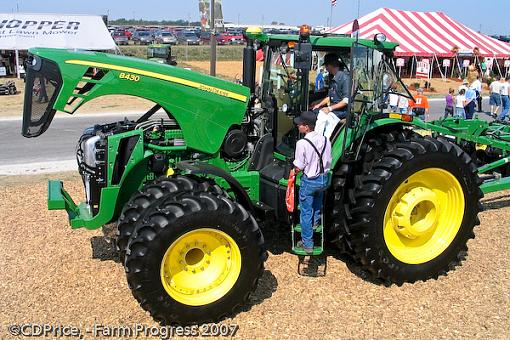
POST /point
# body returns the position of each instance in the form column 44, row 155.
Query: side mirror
column 387, row 81
column 303, row 56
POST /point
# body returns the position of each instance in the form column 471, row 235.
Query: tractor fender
column 202, row 168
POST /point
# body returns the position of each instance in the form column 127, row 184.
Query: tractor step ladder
column 317, row 249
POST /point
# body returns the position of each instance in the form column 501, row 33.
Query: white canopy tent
column 20, row 31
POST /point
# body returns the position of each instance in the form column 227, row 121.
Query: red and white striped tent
column 426, row 34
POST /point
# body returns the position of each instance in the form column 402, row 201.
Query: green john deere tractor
column 161, row 53
column 188, row 191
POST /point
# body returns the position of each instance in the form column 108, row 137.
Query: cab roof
column 332, row 41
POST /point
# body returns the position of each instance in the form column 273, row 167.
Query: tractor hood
column 62, row 80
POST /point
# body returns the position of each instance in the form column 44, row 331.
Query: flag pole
column 331, row 15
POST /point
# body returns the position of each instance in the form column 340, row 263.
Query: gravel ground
column 52, row 274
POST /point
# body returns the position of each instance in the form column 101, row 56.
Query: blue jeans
column 311, row 194
column 470, row 109
column 505, row 100
column 460, row 112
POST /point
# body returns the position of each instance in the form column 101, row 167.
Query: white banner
column 20, row 31
column 446, row 63
column 507, row 63
column 465, row 63
column 422, row 69
column 400, row 62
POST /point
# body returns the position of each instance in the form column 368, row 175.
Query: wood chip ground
column 52, row 274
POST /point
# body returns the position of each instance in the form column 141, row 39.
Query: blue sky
column 492, row 16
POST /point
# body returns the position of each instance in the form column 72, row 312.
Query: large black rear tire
column 184, row 226
column 392, row 178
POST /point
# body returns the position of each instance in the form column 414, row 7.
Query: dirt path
column 52, row 274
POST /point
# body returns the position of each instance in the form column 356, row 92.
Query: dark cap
column 307, row 118
column 331, row 59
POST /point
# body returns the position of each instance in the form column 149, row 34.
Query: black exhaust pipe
column 249, row 67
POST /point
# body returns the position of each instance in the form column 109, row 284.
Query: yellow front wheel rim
column 423, row 216
column 200, row 267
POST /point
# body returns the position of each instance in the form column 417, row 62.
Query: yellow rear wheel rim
column 200, row 267
column 423, row 216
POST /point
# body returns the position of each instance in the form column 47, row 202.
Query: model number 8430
column 129, row 76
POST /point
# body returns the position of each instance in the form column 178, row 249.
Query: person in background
column 464, row 85
column 313, row 158
column 505, row 99
column 460, row 103
column 477, row 86
column 393, row 99
column 495, row 96
column 470, row 103
column 483, row 67
column 449, row 107
column 337, row 100
column 420, row 105
column 319, row 80
column 403, row 104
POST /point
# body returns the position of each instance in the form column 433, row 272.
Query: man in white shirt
column 477, row 86
column 505, row 99
column 313, row 158
column 495, row 96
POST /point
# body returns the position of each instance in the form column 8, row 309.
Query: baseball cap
column 306, row 117
column 330, row 58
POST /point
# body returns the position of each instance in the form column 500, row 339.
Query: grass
column 190, row 53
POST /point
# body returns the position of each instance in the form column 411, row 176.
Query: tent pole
column 412, row 66
column 460, row 68
column 431, row 69
column 499, row 69
column 439, row 67
column 17, row 64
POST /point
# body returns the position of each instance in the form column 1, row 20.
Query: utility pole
column 213, row 42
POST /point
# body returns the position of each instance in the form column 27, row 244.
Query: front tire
column 414, row 211
column 195, row 259
column 148, row 196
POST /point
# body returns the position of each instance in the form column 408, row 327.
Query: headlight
column 379, row 38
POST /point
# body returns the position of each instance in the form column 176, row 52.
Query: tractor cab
column 294, row 63
column 161, row 53
column 289, row 86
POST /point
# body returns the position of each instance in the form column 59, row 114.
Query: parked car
column 188, row 38
column 120, row 38
column 234, row 38
column 205, row 37
column 165, row 37
column 222, row 39
column 142, row 38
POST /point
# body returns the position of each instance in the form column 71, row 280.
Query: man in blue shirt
column 337, row 100
column 319, row 80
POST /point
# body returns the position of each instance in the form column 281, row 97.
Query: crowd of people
column 499, row 98
column 461, row 103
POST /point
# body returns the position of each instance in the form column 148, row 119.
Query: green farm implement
column 189, row 188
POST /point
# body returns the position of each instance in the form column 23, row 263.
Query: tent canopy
column 19, row 31
column 425, row 34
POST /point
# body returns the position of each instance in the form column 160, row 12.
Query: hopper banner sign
column 465, row 63
column 422, row 69
column 20, row 31
column 446, row 62
column 400, row 62
column 507, row 63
